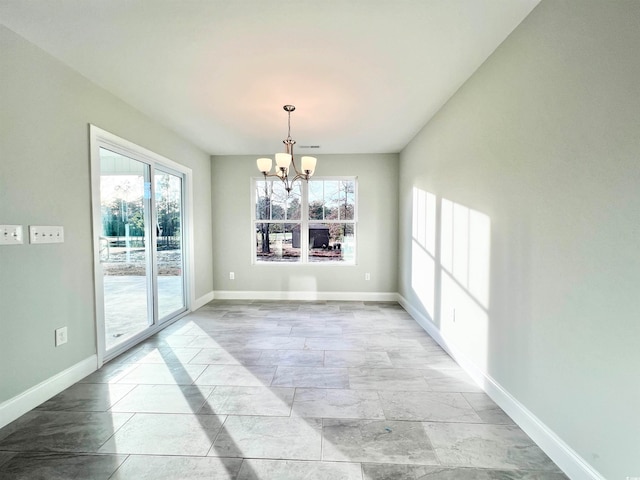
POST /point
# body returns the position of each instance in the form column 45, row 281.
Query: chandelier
column 285, row 160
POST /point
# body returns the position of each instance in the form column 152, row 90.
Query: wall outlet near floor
column 232, row 276
column 61, row 336
column 367, row 276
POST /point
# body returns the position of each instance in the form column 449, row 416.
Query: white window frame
column 305, row 222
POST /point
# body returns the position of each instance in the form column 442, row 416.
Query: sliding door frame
column 99, row 138
column 165, row 169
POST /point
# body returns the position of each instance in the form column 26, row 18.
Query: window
column 315, row 222
column 277, row 216
column 332, row 226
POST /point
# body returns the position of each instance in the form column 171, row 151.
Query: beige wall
column 377, row 230
column 44, row 180
column 543, row 143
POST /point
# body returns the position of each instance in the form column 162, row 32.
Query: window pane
column 273, row 202
column 341, row 201
column 278, row 242
column 294, row 202
column 125, row 246
column 316, row 200
column 316, row 210
column 316, row 191
column 263, row 202
column 348, row 200
column 332, row 200
column 169, row 194
column 334, row 242
column 278, row 200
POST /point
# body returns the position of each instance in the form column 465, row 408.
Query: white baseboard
column 571, row 463
column 306, row 295
column 202, row 301
column 17, row 406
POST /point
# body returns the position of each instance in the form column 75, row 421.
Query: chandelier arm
column 288, row 184
column 299, row 176
column 298, row 172
column 272, row 175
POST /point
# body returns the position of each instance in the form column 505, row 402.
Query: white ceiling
column 364, row 75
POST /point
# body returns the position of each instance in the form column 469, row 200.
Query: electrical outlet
column 11, row 235
column 232, row 276
column 367, row 276
column 61, row 336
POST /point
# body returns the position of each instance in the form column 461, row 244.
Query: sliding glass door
column 125, row 254
column 139, row 225
column 170, row 259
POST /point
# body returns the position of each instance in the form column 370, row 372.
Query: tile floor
column 266, row 390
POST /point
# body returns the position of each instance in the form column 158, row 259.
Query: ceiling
column 365, row 75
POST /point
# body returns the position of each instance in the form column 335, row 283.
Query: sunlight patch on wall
column 450, row 270
column 423, row 269
column 423, row 248
column 466, row 242
column 424, row 220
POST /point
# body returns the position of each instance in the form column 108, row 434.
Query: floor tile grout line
column 119, row 467
column 212, row 446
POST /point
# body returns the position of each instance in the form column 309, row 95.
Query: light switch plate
column 11, row 235
column 44, row 234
